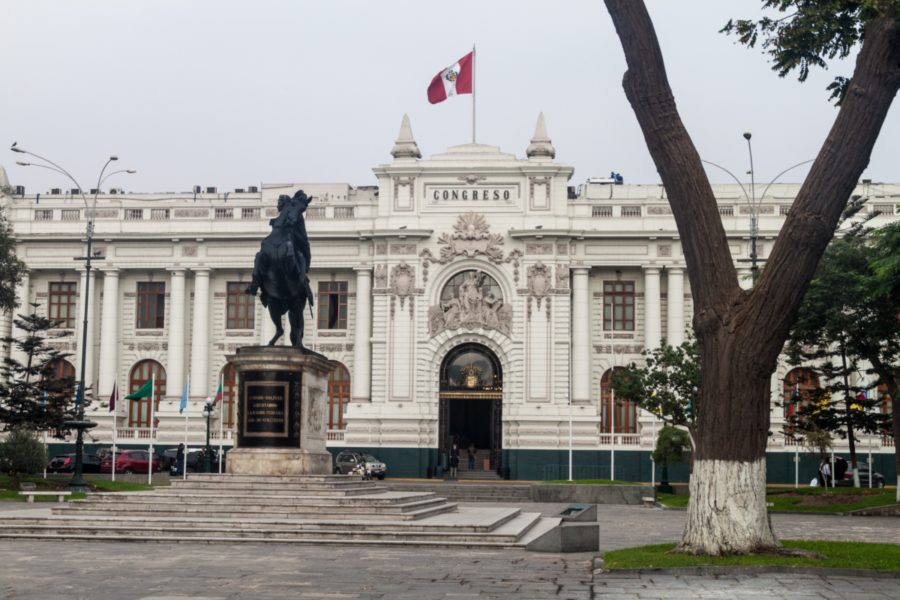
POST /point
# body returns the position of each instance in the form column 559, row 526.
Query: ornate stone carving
column 471, row 237
column 659, row 210
column 189, row 251
column 403, row 249
column 190, row 213
column 539, row 280
column 562, row 277
column 664, row 249
column 381, row 248
column 471, row 179
column 403, row 281
column 471, row 309
column 539, row 248
column 381, row 276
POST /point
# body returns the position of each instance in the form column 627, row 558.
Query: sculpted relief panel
column 470, row 300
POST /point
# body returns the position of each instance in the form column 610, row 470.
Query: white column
column 175, row 362
column 652, row 324
column 581, row 349
column 675, row 308
column 91, row 289
column 744, row 279
column 200, row 335
column 109, row 335
column 5, row 331
column 362, row 345
column 23, row 296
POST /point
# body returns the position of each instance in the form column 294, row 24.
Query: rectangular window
column 61, row 304
column 43, row 214
column 240, row 307
column 601, row 211
column 151, row 305
column 631, row 211
column 343, row 212
column 224, row 214
column 70, row 214
column 332, row 305
column 134, row 214
column 159, row 214
column 250, row 214
column 315, row 212
column 618, row 305
column 726, row 211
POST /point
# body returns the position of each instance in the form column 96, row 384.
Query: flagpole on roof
column 473, row 93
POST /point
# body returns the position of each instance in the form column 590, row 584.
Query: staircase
column 320, row 509
column 501, row 491
column 478, row 473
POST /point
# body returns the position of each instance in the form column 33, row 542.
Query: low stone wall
column 591, row 494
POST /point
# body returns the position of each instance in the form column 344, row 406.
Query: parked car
column 65, row 463
column 130, row 461
column 349, row 460
column 195, row 461
column 877, row 481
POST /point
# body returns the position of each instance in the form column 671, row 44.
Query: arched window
column 229, row 395
column 338, row 395
column 625, row 412
column 139, row 410
column 799, row 385
column 60, row 370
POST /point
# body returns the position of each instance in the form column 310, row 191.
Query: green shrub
column 21, row 454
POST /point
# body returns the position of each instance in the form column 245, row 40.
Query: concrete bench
column 60, row 496
column 649, row 501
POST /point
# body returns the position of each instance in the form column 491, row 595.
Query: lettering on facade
column 265, row 409
column 505, row 194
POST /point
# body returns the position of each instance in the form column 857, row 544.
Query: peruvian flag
column 455, row 79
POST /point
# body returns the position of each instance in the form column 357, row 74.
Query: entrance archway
column 471, row 401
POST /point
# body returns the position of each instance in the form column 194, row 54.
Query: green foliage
column 823, row 554
column 671, row 445
column 32, row 396
column 666, row 385
column 11, row 268
column 808, row 500
column 810, row 33
column 22, row 453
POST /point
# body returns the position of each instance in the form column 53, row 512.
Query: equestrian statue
column 281, row 269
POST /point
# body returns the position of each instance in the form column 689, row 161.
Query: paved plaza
column 36, row 570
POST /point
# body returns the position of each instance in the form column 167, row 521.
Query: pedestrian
column 471, row 457
column 825, row 470
column 179, row 460
column 454, row 460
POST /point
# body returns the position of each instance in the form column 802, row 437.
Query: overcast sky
column 230, row 94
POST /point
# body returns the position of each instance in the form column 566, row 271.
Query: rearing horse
column 281, row 267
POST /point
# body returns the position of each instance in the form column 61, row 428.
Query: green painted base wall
column 542, row 465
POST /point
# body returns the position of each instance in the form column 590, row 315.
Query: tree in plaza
column 11, row 268
column 32, row 395
column 844, row 319
column 665, row 385
column 740, row 333
column 671, row 445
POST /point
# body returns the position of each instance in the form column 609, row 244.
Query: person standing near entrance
column 454, row 460
column 471, row 457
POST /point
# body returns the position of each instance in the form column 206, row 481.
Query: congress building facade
column 473, row 295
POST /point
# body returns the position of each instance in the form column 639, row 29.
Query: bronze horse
column 281, row 267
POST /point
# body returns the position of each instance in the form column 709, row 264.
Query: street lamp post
column 207, row 454
column 80, row 424
column 752, row 201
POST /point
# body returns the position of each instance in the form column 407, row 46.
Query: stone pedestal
column 281, row 417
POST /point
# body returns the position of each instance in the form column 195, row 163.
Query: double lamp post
column 79, row 423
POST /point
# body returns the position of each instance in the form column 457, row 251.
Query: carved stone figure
column 281, row 267
column 471, row 308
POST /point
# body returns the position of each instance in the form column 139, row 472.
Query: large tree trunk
column 740, row 334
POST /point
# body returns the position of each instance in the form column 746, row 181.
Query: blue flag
column 184, row 397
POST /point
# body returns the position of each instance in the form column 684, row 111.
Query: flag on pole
column 113, row 398
column 184, row 397
column 145, row 391
column 218, row 392
column 455, row 79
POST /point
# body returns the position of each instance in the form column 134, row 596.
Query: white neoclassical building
column 473, row 295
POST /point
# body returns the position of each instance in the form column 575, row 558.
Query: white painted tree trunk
column 727, row 512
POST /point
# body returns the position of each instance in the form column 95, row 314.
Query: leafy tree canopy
column 809, row 33
column 11, row 268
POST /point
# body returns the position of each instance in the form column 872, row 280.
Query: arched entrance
column 471, row 401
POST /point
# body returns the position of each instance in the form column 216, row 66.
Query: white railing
column 335, row 435
column 620, row 439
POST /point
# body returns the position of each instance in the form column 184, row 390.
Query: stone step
column 288, row 489
column 411, row 511
column 175, row 504
column 172, row 497
column 262, row 480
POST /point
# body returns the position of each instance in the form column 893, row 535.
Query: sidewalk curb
column 600, row 572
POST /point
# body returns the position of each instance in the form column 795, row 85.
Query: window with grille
column 343, row 212
column 240, row 307
column 784, row 209
column 338, row 396
column 61, row 303
column 151, row 305
column 43, row 214
column 631, row 211
column 139, row 410
column 601, row 211
column 332, row 305
column 618, row 305
column 726, row 211
column 70, row 214
column 315, row 212
column 623, row 415
column 134, row 214
column 251, row 214
column 159, row 214
column 224, row 214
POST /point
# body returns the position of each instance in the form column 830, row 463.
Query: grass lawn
column 810, row 500
column 845, row 555
column 59, row 482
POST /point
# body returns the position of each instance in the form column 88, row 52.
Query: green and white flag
column 145, row 391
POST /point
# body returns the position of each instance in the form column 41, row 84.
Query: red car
column 130, row 461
